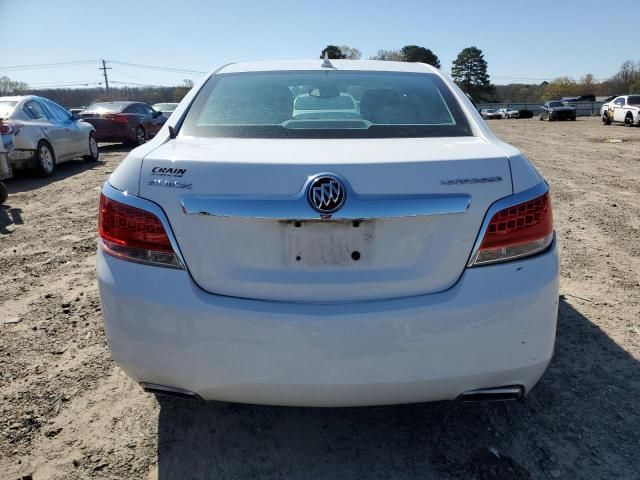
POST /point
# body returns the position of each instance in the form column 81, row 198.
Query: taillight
column 118, row 118
column 8, row 127
column 133, row 234
column 517, row 231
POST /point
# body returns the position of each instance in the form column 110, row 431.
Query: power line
column 138, row 84
column 154, row 67
column 48, row 65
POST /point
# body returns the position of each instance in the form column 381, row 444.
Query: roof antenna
column 327, row 63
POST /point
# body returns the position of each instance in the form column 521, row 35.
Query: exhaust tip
column 496, row 394
column 169, row 391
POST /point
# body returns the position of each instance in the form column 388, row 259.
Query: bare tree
column 388, row 55
column 350, row 53
column 11, row 87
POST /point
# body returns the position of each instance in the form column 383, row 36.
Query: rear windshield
column 633, row 100
column 106, row 107
column 273, row 105
column 6, row 107
column 165, row 107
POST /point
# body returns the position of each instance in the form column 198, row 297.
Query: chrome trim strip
column 123, row 197
column 296, row 207
column 506, row 202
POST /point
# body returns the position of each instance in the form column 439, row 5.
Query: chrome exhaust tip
column 169, row 391
column 496, row 394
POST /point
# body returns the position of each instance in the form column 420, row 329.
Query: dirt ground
column 67, row 412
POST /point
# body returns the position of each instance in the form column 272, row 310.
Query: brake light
column 134, row 234
column 10, row 127
column 119, row 118
column 518, row 231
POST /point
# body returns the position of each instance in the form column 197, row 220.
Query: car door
column 43, row 123
column 155, row 120
column 75, row 137
column 618, row 109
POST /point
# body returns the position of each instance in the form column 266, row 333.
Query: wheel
column 606, row 119
column 46, row 161
column 4, row 193
column 94, row 152
column 540, row 117
column 628, row 120
column 141, row 135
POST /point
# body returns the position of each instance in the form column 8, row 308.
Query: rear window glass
column 6, row 108
column 632, row 100
column 106, row 107
column 325, row 104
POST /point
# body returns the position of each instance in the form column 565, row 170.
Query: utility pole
column 104, row 69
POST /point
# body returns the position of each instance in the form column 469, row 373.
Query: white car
column 624, row 109
column 405, row 256
column 509, row 113
column 46, row 134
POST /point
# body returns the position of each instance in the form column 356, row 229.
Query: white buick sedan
column 406, row 255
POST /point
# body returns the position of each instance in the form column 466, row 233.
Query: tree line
column 469, row 70
column 83, row 97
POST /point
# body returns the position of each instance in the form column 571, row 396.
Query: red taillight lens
column 518, row 231
column 119, row 118
column 133, row 234
column 10, row 127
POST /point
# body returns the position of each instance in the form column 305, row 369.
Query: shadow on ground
column 581, row 421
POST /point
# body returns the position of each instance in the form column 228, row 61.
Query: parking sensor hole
column 356, row 224
column 298, row 258
column 355, row 255
column 297, row 224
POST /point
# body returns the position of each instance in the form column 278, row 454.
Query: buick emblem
column 326, row 194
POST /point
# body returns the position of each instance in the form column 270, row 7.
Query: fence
column 583, row 109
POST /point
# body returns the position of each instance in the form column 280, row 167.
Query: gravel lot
column 68, row 412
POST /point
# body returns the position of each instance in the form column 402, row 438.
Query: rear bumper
column 116, row 132
column 495, row 327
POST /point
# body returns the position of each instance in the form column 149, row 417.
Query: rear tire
column 4, row 193
column 605, row 119
column 628, row 120
column 94, row 151
column 540, row 117
column 141, row 136
column 46, row 160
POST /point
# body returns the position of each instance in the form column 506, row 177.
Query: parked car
column 509, row 113
column 46, row 134
column 7, row 144
column 490, row 114
column 556, row 110
column 405, row 256
column 579, row 98
column 624, row 109
column 525, row 114
column 165, row 109
column 128, row 122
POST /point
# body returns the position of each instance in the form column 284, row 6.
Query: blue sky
column 529, row 39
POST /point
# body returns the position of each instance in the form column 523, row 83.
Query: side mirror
column 75, row 116
column 156, row 114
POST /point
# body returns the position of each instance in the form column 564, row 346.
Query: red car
column 128, row 122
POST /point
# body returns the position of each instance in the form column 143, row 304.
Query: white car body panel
column 495, row 327
column 247, row 322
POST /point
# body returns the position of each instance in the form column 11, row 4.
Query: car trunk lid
column 243, row 223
